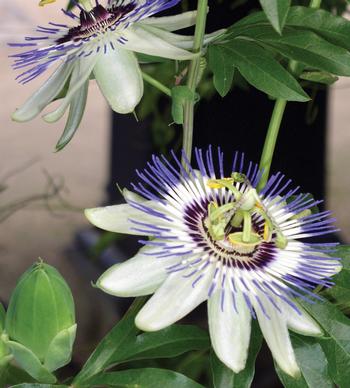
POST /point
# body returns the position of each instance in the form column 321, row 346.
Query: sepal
column 28, row 361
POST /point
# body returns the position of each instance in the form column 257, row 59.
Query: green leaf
column 336, row 344
column 312, row 361
column 333, row 28
column 276, row 11
column 27, row 360
column 59, row 352
column 194, row 365
column 144, row 378
column 116, row 340
column 340, row 292
column 169, row 342
column 223, row 377
column 308, row 48
column 222, row 68
column 35, row 385
column 180, row 95
column 261, row 69
column 321, row 77
column 301, row 45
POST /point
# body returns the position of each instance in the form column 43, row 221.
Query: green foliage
column 35, row 385
column 169, row 342
column 224, row 377
column 260, row 69
column 336, row 343
column 144, row 378
column 312, row 362
column 124, row 343
column 276, row 11
column 316, row 39
column 115, row 340
column 340, row 292
column 222, row 68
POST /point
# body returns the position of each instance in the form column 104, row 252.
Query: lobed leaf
column 261, row 69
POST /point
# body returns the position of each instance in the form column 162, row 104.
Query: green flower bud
column 40, row 322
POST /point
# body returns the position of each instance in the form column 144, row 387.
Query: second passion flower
column 101, row 43
column 213, row 237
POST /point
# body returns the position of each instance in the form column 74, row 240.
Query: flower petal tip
column 92, row 215
column 234, row 365
column 16, row 116
column 146, row 324
column 293, row 371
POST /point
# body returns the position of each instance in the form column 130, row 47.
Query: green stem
column 315, row 4
column 275, row 124
column 158, row 85
column 193, row 77
column 270, row 141
column 247, row 227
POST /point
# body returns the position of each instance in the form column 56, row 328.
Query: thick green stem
column 158, row 85
column 270, row 141
column 192, row 79
column 275, row 124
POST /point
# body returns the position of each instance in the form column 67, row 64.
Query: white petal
column 116, row 218
column 229, row 329
column 175, row 298
column 140, row 275
column 301, row 323
column 172, row 23
column 275, row 331
column 143, row 41
column 44, row 95
column 80, row 74
column 119, row 77
column 76, row 112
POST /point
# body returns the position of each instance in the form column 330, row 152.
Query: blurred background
column 60, row 184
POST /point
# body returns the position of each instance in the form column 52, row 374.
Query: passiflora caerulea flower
column 101, row 45
column 213, row 237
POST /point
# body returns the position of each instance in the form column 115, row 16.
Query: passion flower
column 213, row 237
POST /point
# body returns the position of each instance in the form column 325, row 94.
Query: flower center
column 237, row 229
column 97, row 21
